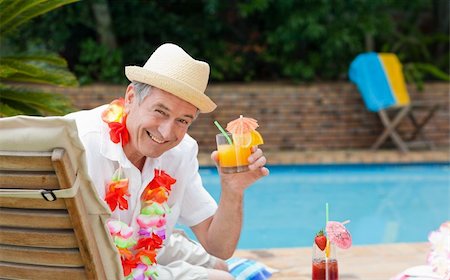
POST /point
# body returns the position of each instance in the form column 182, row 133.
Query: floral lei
column 138, row 255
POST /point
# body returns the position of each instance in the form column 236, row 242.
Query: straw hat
column 171, row 69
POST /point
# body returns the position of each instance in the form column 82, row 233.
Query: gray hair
column 143, row 90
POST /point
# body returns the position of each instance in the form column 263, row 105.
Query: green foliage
column 16, row 101
column 98, row 63
column 247, row 40
column 14, row 13
column 417, row 72
column 44, row 68
column 30, row 68
column 416, row 49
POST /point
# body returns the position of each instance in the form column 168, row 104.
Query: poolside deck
column 375, row 262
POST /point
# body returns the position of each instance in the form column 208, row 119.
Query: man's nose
column 166, row 128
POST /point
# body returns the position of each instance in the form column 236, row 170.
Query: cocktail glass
column 233, row 158
column 323, row 267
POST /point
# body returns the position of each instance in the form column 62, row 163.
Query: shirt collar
column 114, row 152
column 111, row 150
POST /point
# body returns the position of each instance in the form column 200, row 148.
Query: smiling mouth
column 157, row 140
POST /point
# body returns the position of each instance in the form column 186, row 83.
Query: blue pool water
column 386, row 203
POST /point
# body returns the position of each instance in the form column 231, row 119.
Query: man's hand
column 238, row 182
column 220, row 233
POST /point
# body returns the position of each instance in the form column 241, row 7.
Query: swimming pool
column 386, row 203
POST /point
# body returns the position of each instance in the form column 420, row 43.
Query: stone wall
column 325, row 116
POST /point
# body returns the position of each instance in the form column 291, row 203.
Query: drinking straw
column 327, row 250
column 223, row 132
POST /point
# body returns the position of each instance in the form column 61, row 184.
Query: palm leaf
column 433, row 70
column 35, row 71
column 31, row 68
column 17, row 12
column 34, row 102
column 7, row 111
column 49, row 58
column 13, row 108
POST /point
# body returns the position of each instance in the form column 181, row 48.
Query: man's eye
column 161, row 112
column 184, row 122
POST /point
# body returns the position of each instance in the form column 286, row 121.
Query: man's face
column 158, row 124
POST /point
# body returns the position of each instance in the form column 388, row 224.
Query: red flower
column 149, row 243
column 158, row 189
column 161, row 179
column 128, row 263
column 116, row 119
column 117, row 193
column 119, row 131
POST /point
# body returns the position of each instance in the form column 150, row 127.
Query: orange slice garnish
column 256, row 138
column 248, row 140
column 327, row 249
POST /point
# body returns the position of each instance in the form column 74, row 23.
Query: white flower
column 439, row 256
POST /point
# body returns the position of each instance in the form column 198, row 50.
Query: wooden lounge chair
column 379, row 78
column 52, row 222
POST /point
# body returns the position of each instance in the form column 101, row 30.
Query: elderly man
column 144, row 165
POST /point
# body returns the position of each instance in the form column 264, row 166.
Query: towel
column 245, row 269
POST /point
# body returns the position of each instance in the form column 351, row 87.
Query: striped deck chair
column 52, row 222
column 379, row 78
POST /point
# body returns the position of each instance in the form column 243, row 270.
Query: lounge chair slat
column 41, row 256
column 27, row 161
column 21, row 271
column 57, row 219
column 38, row 238
column 29, row 203
column 29, row 180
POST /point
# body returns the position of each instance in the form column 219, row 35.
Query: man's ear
column 130, row 95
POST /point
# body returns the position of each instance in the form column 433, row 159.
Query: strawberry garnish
column 321, row 240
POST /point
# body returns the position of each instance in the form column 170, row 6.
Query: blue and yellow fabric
column 379, row 77
column 246, row 269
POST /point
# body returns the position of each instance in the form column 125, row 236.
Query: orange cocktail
column 232, row 157
column 235, row 146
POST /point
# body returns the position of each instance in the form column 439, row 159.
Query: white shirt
column 190, row 203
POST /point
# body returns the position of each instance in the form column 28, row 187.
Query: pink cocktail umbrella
column 338, row 234
column 242, row 125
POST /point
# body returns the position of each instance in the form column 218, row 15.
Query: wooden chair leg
column 418, row 133
column 390, row 129
column 418, row 126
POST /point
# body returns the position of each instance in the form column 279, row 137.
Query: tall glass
column 233, row 158
column 324, row 268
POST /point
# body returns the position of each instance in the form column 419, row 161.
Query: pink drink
column 319, row 269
